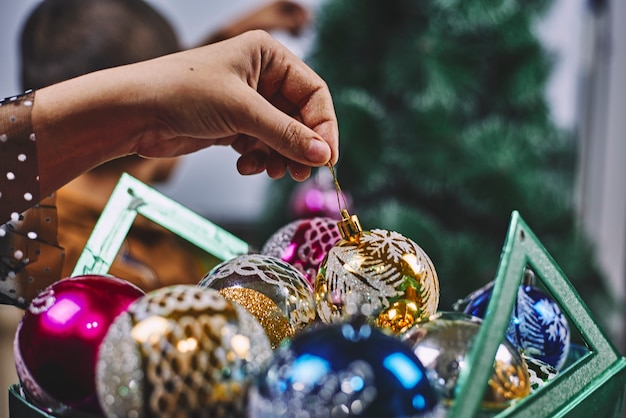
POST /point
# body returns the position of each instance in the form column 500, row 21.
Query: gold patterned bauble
column 180, row 351
column 442, row 344
column 276, row 293
column 378, row 273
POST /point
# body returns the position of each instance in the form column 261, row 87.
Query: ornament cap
column 349, row 226
column 528, row 279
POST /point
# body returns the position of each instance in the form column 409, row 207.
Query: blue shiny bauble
column 343, row 370
column 537, row 328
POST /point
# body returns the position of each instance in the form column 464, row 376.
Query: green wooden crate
column 593, row 385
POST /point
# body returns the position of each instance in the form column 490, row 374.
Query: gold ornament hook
column 349, row 226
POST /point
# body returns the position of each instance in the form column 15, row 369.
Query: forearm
column 246, row 90
column 86, row 121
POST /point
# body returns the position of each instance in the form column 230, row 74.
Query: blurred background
column 452, row 114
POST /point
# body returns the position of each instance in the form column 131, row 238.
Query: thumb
column 288, row 136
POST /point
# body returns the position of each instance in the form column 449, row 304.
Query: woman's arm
column 248, row 92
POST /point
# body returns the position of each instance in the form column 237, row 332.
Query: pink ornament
column 304, row 243
column 57, row 341
column 316, row 196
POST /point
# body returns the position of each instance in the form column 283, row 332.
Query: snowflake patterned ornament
column 304, row 243
column 276, row 293
column 540, row 373
column 538, row 328
column 379, row 274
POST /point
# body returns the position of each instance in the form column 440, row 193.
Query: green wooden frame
column 130, row 198
column 600, row 373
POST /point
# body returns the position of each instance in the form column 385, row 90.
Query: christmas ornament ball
column 538, row 327
column 378, row 273
column 180, row 351
column 343, row 370
column 540, row 373
column 304, row 243
column 272, row 290
column 316, row 197
column 58, row 338
column 442, row 344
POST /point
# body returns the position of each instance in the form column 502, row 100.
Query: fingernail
column 318, row 151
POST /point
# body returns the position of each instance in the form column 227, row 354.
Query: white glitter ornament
column 276, row 293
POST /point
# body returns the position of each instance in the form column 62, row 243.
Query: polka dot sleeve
column 19, row 179
column 30, row 257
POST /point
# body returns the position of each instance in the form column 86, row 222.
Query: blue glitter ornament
column 538, row 328
column 343, row 370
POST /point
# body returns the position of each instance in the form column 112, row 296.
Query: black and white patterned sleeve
column 30, row 257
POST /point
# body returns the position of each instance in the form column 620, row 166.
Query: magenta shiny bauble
column 57, row 341
column 304, row 243
column 317, row 196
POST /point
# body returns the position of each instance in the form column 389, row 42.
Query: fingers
column 286, row 105
column 257, row 157
column 282, row 102
column 276, row 165
column 299, row 172
column 289, row 137
column 252, row 163
column 285, row 78
column 275, row 110
column 291, row 112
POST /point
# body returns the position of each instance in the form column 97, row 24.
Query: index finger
column 282, row 73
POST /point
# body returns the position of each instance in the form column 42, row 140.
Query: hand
column 253, row 94
column 276, row 15
column 249, row 92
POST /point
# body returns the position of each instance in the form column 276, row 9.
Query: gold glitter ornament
column 180, row 351
column 272, row 319
column 277, row 294
column 380, row 274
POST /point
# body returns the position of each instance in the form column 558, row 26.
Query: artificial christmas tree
column 445, row 130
